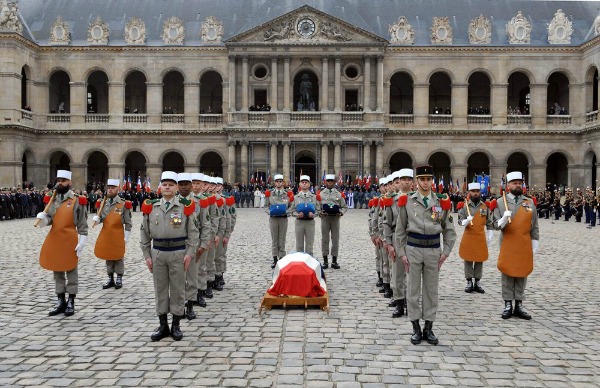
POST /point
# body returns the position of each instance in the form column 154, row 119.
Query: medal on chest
column 527, row 206
column 436, row 214
column 119, row 210
column 175, row 219
column 482, row 211
column 69, row 203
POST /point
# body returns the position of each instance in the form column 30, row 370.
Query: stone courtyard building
column 235, row 88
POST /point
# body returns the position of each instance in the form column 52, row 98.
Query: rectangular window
column 351, row 100
column 260, row 98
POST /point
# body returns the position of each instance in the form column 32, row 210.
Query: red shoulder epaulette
column 230, row 201
column 98, row 203
column 128, row 204
column 220, row 202
column 388, row 201
column 370, row 203
column 343, row 195
column 380, row 202
column 446, row 203
column 534, row 199
column 291, row 196
column 82, row 200
column 402, row 200
column 488, row 203
column 319, row 196
column 493, row 204
column 204, row 203
column 460, row 205
column 188, row 210
column 147, row 207
column 47, row 198
column 290, row 193
column 268, row 193
column 318, row 192
column 212, row 199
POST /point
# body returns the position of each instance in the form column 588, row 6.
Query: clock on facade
column 306, row 28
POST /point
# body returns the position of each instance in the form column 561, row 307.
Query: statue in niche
column 306, row 97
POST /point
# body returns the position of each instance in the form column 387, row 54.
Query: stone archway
column 58, row 161
column 440, row 161
column 477, row 164
column 306, row 91
column 173, row 161
column 97, row 168
column 557, row 171
column 135, row 164
column 400, row 160
column 211, row 164
column 306, row 164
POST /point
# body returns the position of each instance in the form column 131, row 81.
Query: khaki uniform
column 218, row 219
column 385, row 204
column 204, row 265
column 202, row 222
column 473, row 246
column 516, row 255
column 373, row 230
column 397, row 273
column 418, row 238
column 305, row 227
column 111, row 235
column 230, row 218
column 167, row 235
column 330, row 224
column 278, row 224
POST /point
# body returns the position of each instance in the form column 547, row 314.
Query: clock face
column 306, row 28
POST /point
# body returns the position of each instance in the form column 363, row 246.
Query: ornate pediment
column 597, row 25
column 59, row 33
column 402, row 32
column 480, row 30
column 98, row 32
column 135, row 31
column 173, row 31
column 560, row 29
column 212, row 31
column 9, row 17
column 441, row 32
column 518, row 30
column 306, row 25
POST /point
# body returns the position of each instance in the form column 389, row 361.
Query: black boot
column 477, row 287
column 222, row 280
column 61, row 305
column 379, row 280
column 394, row 303
column 428, row 333
column 334, row 263
column 388, row 290
column 189, row 310
column 520, row 311
column 325, row 262
column 109, row 283
column 161, row 331
column 417, row 336
column 217, row 284
column 119, row 282
column 469, row 287
column 200, row 299
column 208, row 292
column 70, row 310
column 399, row 309
column 176, row 333
column 274, row 262
column 507, row 312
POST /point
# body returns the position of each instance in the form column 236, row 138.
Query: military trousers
column 423, row 278
column 330, row 225
column 473, row 270
column 168, row 272
column 377, row 260
column 397, row 279
column 513, row 288
column 191, row 280
column 221, row 258
column 385, row 265
column 305, row 236
column 115, row 266
column 69, row 285
column 203, row 270
column 278, row 227
column 210, row 262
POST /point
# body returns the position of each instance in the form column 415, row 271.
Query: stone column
column 116, row 101
column 459, row 171
column 79, row 171
column 273, row 156
column 286, row 85
column 244, row 161
column 286, row 160
column 191, row 105
column 325, row 85
column 153, row 171
column 460, row 99
column 337, row 157
column 153, row 102
column 537, row 176
column 577, row 103
column 245, row 104
column 367, row 85
column 78, row 102
column 496, row 172
column 231, row 161
column 324, row 156
column 380, row 83
column 367, row 156
column 115, row 170
column 537, row 107
column 379, row 158
column 273, row 100
column 41, row 101
column 421, row 104
column 231, row 106
column 498, row 104
column 338, row 84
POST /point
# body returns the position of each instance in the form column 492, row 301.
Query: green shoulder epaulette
column 441, row 196
column 184, row 201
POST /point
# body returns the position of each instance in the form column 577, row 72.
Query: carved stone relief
column 173, row 31
column 560, row 29
column 280, row 31
column 518, row 30
column 402, row 32
column 212, row 31
column 9, row 19
column 59, row 33
column 135, row 31
column 333, row 32
column 441, row 32
column 480, row 30
column 98, row 32
column 597, row 25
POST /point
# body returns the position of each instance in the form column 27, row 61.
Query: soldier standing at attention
column 385, row 202
column 204, row 278
column 206, row 232
column 219, row 223
column 65, row 242
column 519, row 241
column 332, row 206
column 169, row 239
column 278, row 202
column 373, row 215
column 305, row 204
column 422, row 216
column 477, row 219
column 229, row 218
column 110, row 245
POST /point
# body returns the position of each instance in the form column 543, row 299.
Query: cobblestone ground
column 106, row 343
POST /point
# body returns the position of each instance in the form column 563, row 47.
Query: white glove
column 466, row 221
column 127, row 233
column 43, row 216
column 504, row 220
column 489, row 234
column 96, row 219
column 81, row 244
column 534, row 245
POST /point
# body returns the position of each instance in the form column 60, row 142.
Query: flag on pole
column 524, row 186
column 323, row 179
column 340, row 179
column 148, row 186
column 139, row 184
column 269, row 176
column 441, row 185
column 502, row 184
column 464, row 186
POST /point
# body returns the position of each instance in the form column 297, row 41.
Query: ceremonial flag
column 148, row 186
column 502, row 184
column 323, row 179
column 441, row 185
column 434, row 186
column 139, row 184
column 340, row 180
column 269, row 176
column 368, row 183
column 298, row 274
column 450, row 186
column 124, row 187
column 524, row 186
column 464, row 186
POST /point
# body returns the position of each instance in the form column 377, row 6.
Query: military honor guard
column 477, row 218
column 115, row 216
column 305, row 209
column 229, row 218
column 219, row 222
column 385, row 202
column 422, row 217
column 373, row 206
column 206, row 267
column 64, row 244
column 516, row 216
column 332, row 206
column 278, row 203
column 207, row 235
column 169, row 239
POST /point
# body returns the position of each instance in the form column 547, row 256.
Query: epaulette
column 128, row 204
column 445, row 201
column 533, row 199
column 230, row 201
column 204, row 203
column 147, row 205
column 493, row 204
column 184, row 201
column 318, row 196
column 387, row 201
column 343, row 195
column 268, row 193
column 460, row 205
column 211, row 200
column 189, row 208
column 220, row 202
column 98, row 202
column 402, row 200
column 83, row 200
column 47, row 198
column 290, row 195
column 380, row 203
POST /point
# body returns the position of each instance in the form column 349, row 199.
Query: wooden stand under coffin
column 269, row 301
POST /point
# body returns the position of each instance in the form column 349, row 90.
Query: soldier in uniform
column 228, row 218
column 305, row 205
column 110, row 245
column 422, row 216
column 169, row 239
column 518, row 243
column 219, row 223
column 332, row 206
column 199, row 186
column 373, row 233
column 278, row 203
column 206, row 269
column 386, row 200
column 477, row 219
column 65, row 242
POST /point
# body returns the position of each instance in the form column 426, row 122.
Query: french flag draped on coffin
column 298, row 274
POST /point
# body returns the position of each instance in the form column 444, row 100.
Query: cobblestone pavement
column 107, row 342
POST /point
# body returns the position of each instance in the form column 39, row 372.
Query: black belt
column 278, row 216
column 305, row 219
column 418, row 240
column 169, row 244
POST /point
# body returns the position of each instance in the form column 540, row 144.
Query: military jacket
column 483, row 211
column 108, row 208
column 305, row 197
column 202, row 220
column 79, row 210
column 524, row 203
column 332, row 197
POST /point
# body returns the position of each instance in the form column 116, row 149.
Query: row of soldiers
column 19, row 203
column 578, row 205
column 407, row 228
column 184, row 238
